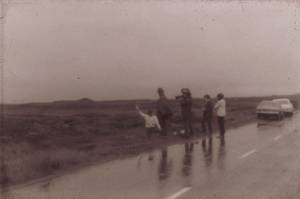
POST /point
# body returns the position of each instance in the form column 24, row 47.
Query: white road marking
column 179, row 193
column 277, row 137
column 248, row 154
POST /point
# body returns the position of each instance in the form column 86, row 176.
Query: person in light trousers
column 220, row 108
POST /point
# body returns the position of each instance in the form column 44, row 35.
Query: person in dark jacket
column 186, row 110
column 207, row 115
column 164, row 112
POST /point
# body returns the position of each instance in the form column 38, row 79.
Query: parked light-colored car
column 269, row 109
column 286, row 106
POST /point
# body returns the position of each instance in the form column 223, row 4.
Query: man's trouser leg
column 164, row 126
column 203, row 123
column 221, row 124
column 209, row 126
column 167, row 123
column 188, row 126
column 191, row 126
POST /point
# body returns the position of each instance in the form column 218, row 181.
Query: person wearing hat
column 220, row 108
column 186, row 110
column 164, row 111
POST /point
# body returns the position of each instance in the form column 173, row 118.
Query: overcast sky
column 68, row 49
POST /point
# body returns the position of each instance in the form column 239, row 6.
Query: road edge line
column 179, row 193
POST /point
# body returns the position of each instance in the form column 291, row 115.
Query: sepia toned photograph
column 149, row 99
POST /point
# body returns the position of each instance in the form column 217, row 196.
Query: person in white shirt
column 151, row 122
column 220, row 108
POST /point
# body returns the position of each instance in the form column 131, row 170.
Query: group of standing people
column 164, row 113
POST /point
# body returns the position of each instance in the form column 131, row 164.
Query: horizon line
column 137, row 99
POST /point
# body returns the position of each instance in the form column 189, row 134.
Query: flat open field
column 44, row 139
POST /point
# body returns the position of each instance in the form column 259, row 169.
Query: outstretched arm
column 140, row 112
column 137, row 108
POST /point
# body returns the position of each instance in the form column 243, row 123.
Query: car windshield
column 268, row 105
column 282, row 101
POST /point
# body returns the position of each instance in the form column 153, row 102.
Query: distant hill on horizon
column 83, row 103
column 88, row 101
column 85, row 106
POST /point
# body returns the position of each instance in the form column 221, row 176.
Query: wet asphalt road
column 253, row 163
